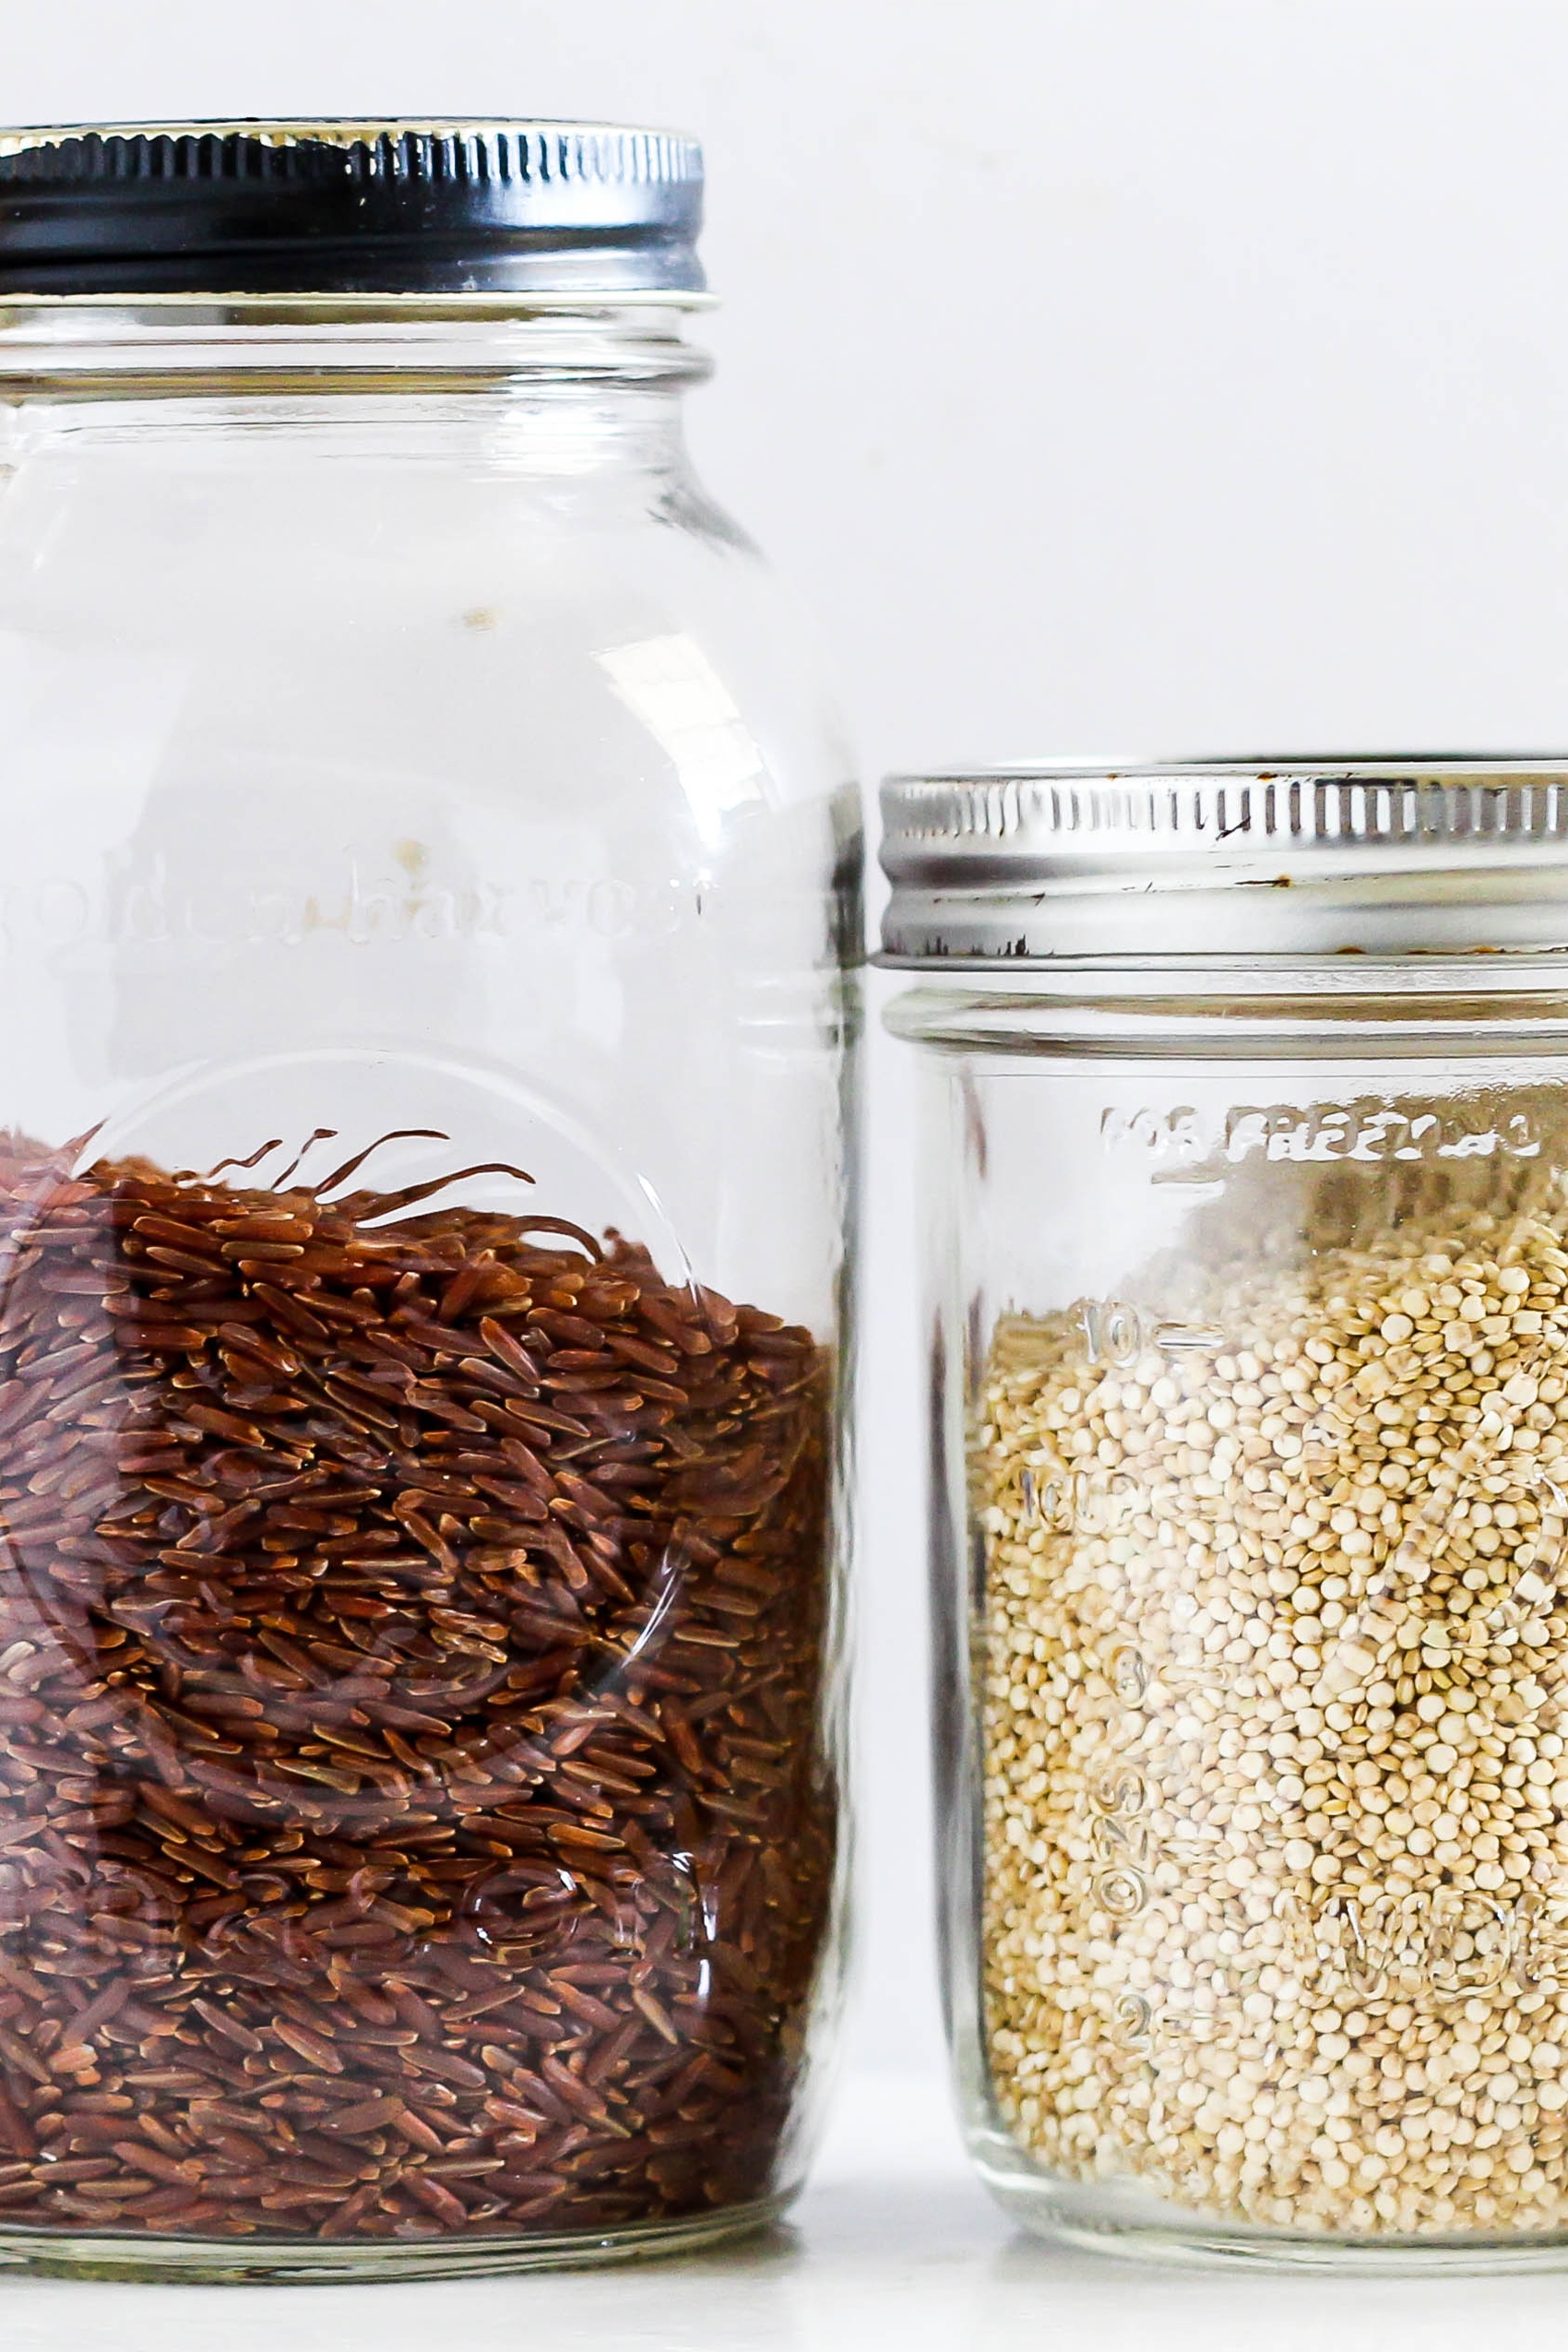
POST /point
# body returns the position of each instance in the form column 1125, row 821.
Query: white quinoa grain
column 1276, row 1842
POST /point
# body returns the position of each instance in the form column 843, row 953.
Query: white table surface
column 892, row 2244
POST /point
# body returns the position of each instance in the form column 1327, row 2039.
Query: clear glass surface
column 432, row 878
column 1249, row 1382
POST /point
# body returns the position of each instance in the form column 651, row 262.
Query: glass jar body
column 1249, row 1381
column 427, row 1067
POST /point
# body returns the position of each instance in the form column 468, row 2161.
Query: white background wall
column 1141, row 376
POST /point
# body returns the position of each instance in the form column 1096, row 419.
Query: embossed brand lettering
column 1186, row 1143
column 364, row 901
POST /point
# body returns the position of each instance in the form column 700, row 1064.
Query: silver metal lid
column 1227, row 856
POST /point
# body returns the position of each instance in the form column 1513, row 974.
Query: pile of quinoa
column 1275, row 1795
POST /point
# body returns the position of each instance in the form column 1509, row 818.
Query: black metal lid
column 350, row 208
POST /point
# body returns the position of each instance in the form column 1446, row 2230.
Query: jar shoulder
column 514, row 618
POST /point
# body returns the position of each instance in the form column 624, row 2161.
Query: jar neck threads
column 315, row 348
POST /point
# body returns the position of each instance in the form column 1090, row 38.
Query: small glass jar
column 431, row 881
column 1244, row 1127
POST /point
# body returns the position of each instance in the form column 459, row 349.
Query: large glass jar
column 1244, row 1105
column 430, row 878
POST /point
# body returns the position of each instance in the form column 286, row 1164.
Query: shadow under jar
column 1244, row 1105
column 424, row 1063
